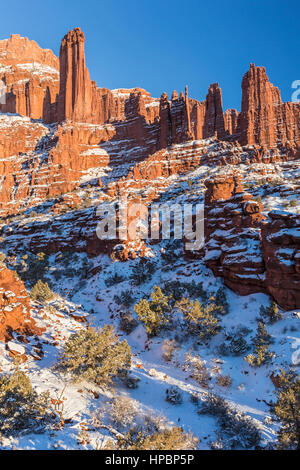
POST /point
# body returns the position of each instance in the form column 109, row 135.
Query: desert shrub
column 235, row 343
column 131, row 382
column 287, row 409
column 33, row 268
column 114, row 279
column 195, row 289
column 221, row 301
column 238, row 345
column 178, row 289
column 224, row 380
column 142, row 272
column 96, row 356
column 168, row 439
column 41, row 292
column 122, row 411
column 238, row 430
column 168, row 349
column 127, row 323
column 200, row 320
column 174, row 395
column 2, row 259
column 171, row 253
column 174, row 289
column 271, row 313
column 22, row 409
column 261, row 343
column 213, row 405
column 198, row 370
column 156, row 313
column 125, row 298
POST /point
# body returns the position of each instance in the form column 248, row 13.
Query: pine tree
column 261, row 343
column 154, row 314
column 96, row 356
column 21, row 408
column 201, row 320
column 41, row 292
column 287, row 409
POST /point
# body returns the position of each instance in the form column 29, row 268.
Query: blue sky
column 163, row 45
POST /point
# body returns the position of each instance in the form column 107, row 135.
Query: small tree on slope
column 97, row 356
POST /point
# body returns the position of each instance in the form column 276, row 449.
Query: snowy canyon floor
column 82, row 295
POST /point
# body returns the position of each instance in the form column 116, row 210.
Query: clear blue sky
column 161, row 45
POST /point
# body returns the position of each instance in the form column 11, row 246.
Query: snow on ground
column 251, row 390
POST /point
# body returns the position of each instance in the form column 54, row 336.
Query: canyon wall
column 251, row 252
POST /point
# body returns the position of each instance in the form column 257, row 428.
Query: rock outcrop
column 14, row 307
column 251, row 252
column 264, row 118
column 232, row 221
column 31, row 78
column 280, row 236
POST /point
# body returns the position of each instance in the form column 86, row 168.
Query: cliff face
column 31, row 77
column 232, row 221
column 14, row 307
column 252, row 253
column 264, row 118
column 281, row 251
column 121, row 140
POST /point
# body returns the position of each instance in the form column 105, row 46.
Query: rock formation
column 31, row 77
column 232, row 220
column 14, row 307
column 251, row 253
column 280, row 236
column 264, row 118
column 120, row 140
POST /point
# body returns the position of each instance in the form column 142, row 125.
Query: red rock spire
column 214, row 118
column 75, row 95
column 188, row 116
column 259, row 102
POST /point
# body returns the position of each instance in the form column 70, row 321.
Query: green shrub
column 142, row 272
column 114, row 279
column 22, row 409
column 238, row 346
column 238, row 429
column 156, row 313
column 125, row 298
column 96, row 356
column 271, row 313
column 174, row 289
column 168, row 439
column 127, row 323
column 41, row 292
column 261, row 343
column 174, row 395
column 33, row 267
column 287, row 409
column 201, row 320
column 195, row 289
column 221, row 301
